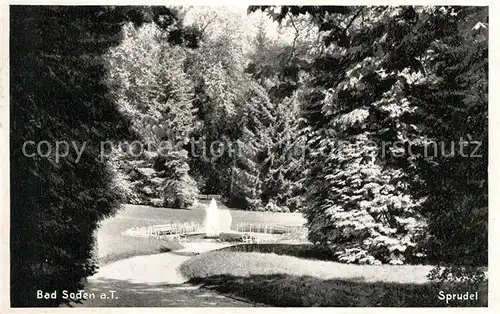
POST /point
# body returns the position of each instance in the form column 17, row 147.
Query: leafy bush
column 453, row 273
column 196, row 205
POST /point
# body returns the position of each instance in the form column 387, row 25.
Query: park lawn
column 112, row 245
column 280, row 280
column 131, row 247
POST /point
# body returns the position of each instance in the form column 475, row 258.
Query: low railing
column 267, row 228
column 248, row 232
column 297, row 233
column 165, row 231
column 161, row 231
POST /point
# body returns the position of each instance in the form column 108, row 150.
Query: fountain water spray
column 216, row 220
column 212, row 220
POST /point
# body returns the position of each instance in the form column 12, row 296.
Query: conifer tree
column 254, row 147
column 152, row 90
column 284, row 178
column 368, row 101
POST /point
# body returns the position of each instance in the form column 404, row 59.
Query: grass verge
column 279, row 280
column 130, row 247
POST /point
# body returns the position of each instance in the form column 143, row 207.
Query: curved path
column 140, row 280
column 147, row 281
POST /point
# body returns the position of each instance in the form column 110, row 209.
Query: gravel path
column 150, row 281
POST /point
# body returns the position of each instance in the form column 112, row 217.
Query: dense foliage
column 391, row 82
column 147, row 78
column 234, row 135
column 337, row 121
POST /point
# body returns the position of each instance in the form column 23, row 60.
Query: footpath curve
column 151, row 281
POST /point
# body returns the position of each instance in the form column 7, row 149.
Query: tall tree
column 455, row 179
column 254, row 145
column 152, row 90
column 283, row 182
column 221, row 90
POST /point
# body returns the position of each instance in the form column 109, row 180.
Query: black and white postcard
column 247, row 155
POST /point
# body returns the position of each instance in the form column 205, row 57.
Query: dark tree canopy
column 58, row 94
